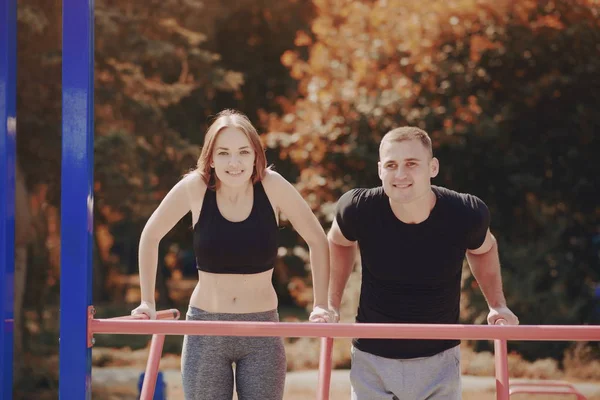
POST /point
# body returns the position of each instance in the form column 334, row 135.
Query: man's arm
column 342, row 253
column 485, row 265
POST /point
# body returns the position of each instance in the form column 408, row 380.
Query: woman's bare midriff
column 234, row 293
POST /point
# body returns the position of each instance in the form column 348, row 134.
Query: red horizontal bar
column 543, row 390
column 542, row 384
column 172, row 313
column 308, row 329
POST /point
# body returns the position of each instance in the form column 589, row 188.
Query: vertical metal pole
column 151, row 374
column 8, row 132
column 501, row 364
column 501, row 358
column 324, row 369
column 76, row 198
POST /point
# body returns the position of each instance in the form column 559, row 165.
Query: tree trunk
column 22, row 237
column 100, row 272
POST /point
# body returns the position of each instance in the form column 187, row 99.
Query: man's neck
column 416, row 211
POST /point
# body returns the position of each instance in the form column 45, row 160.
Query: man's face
column 405, row 170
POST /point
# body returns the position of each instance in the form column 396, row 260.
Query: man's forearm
column 486, row 269
column 342, row 260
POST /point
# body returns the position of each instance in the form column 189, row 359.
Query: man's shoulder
column 363, row 197
column 457, row 200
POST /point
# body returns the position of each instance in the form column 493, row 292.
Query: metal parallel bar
column 545, row 384
column 324, row 382
column 546, row 387
column 76, row 198
column 501, row 362
column 307, row 329
column 156, row 348
column 8, row 133
column 124, row 325
column 548, row 391
column 172, row 313
column 149, row 384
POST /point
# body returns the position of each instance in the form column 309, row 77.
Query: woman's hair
column 230, row 119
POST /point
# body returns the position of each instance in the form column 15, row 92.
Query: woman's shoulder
column 277, row 188
column 193, row 178
column 194, row 184
column 272, row 179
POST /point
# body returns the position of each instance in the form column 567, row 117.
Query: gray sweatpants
column 426, row 378
column 206, row 361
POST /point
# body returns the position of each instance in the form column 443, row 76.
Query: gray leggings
column 206, row 361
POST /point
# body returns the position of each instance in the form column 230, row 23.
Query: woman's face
column 233, row 157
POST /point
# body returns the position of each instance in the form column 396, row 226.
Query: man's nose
column 400, row 173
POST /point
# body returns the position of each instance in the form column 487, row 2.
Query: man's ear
column 434, row 167
column 379, row 169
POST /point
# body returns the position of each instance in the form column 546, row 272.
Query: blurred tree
column 508, row 91
column 146, row 60
column 250, row 36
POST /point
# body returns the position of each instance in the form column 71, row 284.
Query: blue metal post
column 8, row 131
column 76, row 198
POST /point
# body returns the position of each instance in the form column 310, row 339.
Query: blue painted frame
column 8, row 133
column 77, row 197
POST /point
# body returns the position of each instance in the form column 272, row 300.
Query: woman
column 235, row 202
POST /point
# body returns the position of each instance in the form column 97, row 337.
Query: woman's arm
column 174, row 206
column 291, row 203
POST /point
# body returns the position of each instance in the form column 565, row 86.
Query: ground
column 116, row 373
column 121, row 384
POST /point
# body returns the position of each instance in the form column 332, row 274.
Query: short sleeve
column 479, row 223
column 346, row 215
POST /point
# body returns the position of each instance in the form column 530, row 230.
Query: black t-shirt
column 411, row 273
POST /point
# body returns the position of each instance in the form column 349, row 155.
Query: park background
column 508, row 90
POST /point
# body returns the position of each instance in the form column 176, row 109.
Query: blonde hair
column 230, row 119
column 408, row 133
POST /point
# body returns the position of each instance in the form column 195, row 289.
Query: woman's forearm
column 148, row 260
column 319, row 261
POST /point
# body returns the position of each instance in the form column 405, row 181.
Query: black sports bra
column 245, row 247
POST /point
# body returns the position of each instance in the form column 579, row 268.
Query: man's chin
column 401, row 194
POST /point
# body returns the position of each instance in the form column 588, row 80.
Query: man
column 413, row 238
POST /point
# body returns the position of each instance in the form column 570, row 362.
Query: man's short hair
column 408, row 133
